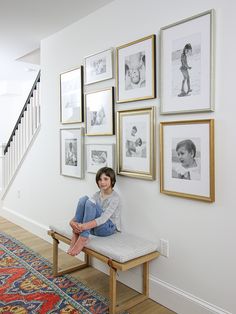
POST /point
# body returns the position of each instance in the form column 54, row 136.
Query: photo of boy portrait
column 186, row 160
column 135, row 71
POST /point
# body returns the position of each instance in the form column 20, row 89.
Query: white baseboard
column 162, row 292
column 180, row 301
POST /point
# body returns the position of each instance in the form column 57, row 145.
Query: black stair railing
column 24, row 109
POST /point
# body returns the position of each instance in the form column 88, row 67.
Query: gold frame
column 82, row 91
column 211, row 196
column 150, row 175
column 112, row 131
column 162, row 80
column 153, row 84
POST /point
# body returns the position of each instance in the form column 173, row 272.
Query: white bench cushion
column 120, row 246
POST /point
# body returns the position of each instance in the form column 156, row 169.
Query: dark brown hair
column 109, row 172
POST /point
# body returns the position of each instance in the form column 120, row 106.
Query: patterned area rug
column 27, row 285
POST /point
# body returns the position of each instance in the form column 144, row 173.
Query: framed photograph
column 71, row 95
column 135, row 64
column 99, row 110
column 135, row 143
column 98, row 67
column 71, row 146
column 187, row 159
column 98, row 156
column 187, row 65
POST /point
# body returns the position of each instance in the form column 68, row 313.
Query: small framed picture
column 98, row 156
column 187, row 159
column 71, row 146
column 135, row 64
column 71, row 90
column 99, row 110
column 99, row 66
column 187, row 65
column 135, row 143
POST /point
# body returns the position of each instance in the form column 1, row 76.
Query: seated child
column 99, row 215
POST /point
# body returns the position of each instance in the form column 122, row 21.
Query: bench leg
column 56, row 272
column 112, row 290
column 146, row 279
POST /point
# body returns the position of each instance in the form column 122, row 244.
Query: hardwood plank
column 89, row 276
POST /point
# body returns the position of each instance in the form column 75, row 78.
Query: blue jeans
column 87, row 211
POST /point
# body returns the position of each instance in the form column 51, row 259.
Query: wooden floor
column 93, row 278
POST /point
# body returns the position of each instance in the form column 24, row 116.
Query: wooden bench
column 114, row 266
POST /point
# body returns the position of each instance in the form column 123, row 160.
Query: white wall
column 199, row 275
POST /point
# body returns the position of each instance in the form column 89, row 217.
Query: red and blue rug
column 28, row 286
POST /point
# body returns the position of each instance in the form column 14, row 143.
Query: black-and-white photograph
column 99, row 66
column 186, row 158
column 99, row 112
column 98, row 156
column 71, row 96
column 135, row 71
column 186, row 66
column 136, row 66
column 97, row 117
column 71, row 152
column 136, row 141
column 187, row 162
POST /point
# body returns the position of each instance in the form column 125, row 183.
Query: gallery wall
column 199, row 274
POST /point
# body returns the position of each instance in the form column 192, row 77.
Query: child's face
column 133, row 132
column 185, row 157
column 104, row 183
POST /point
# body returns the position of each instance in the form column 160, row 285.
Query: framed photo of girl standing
column 187, row 159
column 187, row 65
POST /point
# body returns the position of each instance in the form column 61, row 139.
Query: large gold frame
column 211, row 196
column 126, row 172
column 153, row 94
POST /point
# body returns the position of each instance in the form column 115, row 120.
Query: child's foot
column 189, row 91
column 183, row 93
column 79, row 245
column 74, row 238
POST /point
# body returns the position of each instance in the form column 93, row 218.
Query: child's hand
column 76, row 226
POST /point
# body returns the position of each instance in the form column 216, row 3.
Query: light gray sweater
column 111, row 206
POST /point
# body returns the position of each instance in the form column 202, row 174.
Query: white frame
column 198, row 31
column 74, row 166
column 92, row 74
column 71, row 90
column 93, row 166
column 100, row 101
column 138, row 163
column 198, row 184
column 128, row 54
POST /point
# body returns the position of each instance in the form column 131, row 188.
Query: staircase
column 23, row 134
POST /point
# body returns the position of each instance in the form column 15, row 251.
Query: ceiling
column 23, row 23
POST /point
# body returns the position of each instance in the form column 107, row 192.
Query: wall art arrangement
column 135, row 143
column 187, row 65
column 71, row 149
column 71, row 88
column 135, row 63
column 186, row 86
column 99, row 111
column 98, row 67
column 187, row 162
column 98, row 156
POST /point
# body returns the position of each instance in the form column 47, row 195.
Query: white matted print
column 187, row 64
column 187, row 159
column 135, row 143
column 99, row 110
column 98, row 67
column 71, row 144
column 98, row 156
column 71, row 88
column 136, row 70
